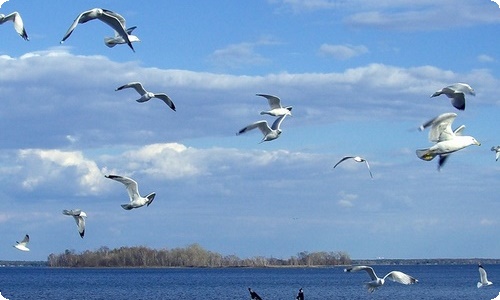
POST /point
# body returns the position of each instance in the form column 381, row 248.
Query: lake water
column 435, row 282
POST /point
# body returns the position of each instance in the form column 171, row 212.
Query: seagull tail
column 479, row 285
column 425, row 154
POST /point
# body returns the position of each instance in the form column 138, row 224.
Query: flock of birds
column 123, row 35
column 376, row 282
column 446, row 139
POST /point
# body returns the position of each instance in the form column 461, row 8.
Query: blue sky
column 358, row 73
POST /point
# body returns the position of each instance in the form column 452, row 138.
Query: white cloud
column 485, row 58
column 346, row 199
column 342, row 52
column 50, row 166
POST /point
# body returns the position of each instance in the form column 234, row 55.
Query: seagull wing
column 15, row 17
column 401, row 277
column 343, row 159
column 117, row 23
column 135, row 85
column 72, row 212
column 80, row 222
column 441, row 128
column 130, row 185
column 482, row 275
column 166, row 99
column 262, row 125
column 368, row 166
column 274, row 102
column 25, row 240
column 458, row 100
column 277, row 122
column 82, row 17
column 497, row 155
column 368, row 270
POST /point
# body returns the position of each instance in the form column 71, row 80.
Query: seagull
column 447, row 141
column 357, row 159
column 276, row 109
column 114, row 20
column 269, row 133
column 145, row 95
column 136, row 200
column 377, row 282
column 483, row 277
column 22, row 244
column 300, row 295
column 118, row 39
column 79, row 216
column 457, row 93
column 18, row 23
column 254, row 295
column 497, row 151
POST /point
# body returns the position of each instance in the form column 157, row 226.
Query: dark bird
column 254, row 295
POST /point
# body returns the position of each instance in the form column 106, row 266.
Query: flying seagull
column 497, row 151
column 447, row 141
column 145, row 95
column 377, row 282
column 136, row 200
column 114, row 20
column 269, row 133
column 456, row 92
column 79, row 216
column 300, row 295
column 118, row 39
column 356, row 159
column 276, row 109
column 254, row 295
column 483, row 278
column 22, row 244
column 18, row 23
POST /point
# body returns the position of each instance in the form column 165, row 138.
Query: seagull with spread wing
column 270, row 133
column 79, row 217
column 356, row 159
column 136, row 200
column 446, row 140
column 456, row 92
column 275, row 104
column 112, row 19
column 22, row 245
column 483, row 277
column 145, row 95
column 377, row 282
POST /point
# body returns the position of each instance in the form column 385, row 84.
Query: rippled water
column 435, row 282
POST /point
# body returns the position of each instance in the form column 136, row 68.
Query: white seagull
column 136, row 200
column 118, row 39
column 377, row 282
column 18, row 23
column 356, row 159
column 22, row 244
column 483, row 278
column 447, row 141
column 457, row 93
column 114, row 20
column 145, row 95
column 269, row 133
column 276, row 109
column 497, row 151
column 79, row 216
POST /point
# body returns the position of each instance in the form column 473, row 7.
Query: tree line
column 191, row 256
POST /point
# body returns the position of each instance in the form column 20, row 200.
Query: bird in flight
column 377, row 282
column 356, row 159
